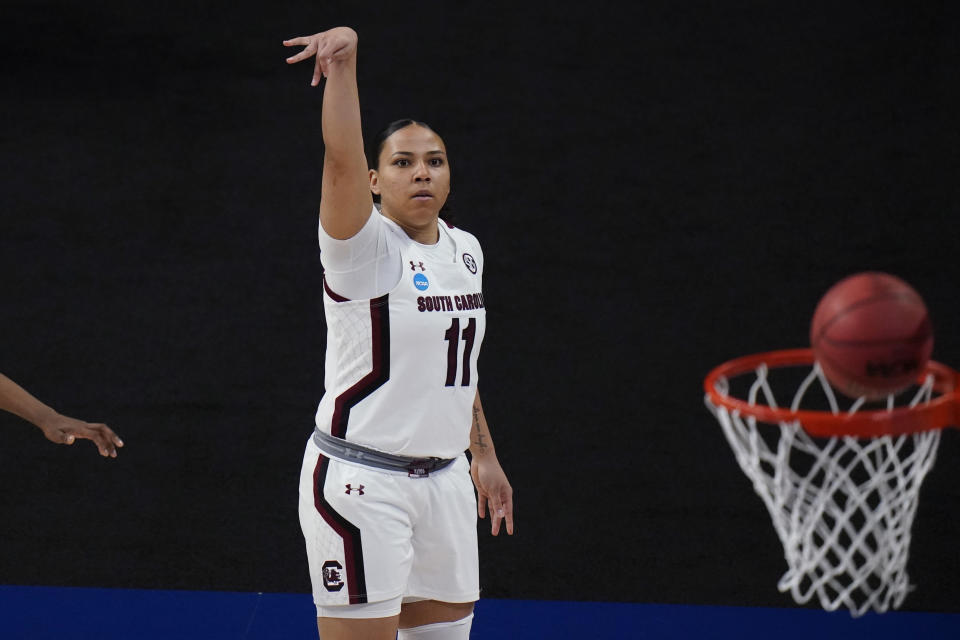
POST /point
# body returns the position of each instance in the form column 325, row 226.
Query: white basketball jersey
column 401, row 369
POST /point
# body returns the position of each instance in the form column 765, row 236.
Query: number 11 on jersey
column 452, row 336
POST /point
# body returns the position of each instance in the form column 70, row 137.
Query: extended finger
column 481, row 505
column 303, row 55
column 317, row 73
column 508, row 513
column 296, row 42
column 496, row 515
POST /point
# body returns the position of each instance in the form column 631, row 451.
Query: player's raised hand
column 493, row 492
column 339, row 43
column 65, row 430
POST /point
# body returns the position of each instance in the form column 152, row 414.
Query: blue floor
column 36, row 613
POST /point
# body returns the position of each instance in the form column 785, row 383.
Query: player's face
column 413, row 180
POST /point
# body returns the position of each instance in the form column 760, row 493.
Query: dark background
column 657, row 189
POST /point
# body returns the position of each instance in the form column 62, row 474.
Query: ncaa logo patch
column 470, row 262
column 420, row 282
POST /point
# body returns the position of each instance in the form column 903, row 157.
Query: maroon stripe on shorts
column 352, row 547
column 379, row 373
column 333, row 294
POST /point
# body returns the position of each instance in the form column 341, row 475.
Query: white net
column 843, row 507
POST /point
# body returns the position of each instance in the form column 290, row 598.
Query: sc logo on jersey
column 470, row 262
column 420, row 281
column 333, row 575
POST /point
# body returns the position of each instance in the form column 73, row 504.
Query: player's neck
column 428, row 233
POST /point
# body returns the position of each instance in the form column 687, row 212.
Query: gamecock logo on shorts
column 332, row 575
column 470, row 262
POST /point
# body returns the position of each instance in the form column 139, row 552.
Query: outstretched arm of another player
column 57, row 428
column 493, row 489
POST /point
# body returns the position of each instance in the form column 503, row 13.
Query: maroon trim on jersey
column 449, row 226
column 330, row 292
column 379, row 373
column 352, row 547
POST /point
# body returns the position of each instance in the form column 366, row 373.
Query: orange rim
column 940, row 412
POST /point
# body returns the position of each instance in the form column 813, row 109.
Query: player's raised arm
column 56, row 427
column 345, row 201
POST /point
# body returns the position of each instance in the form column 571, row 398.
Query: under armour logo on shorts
column 351, row 489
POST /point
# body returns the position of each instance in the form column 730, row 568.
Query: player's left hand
column 493, row 492
column 65, row 430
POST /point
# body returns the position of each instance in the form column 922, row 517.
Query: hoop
column 841, row 485
column 940, row 412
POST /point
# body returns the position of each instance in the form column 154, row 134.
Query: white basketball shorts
column 375, row 535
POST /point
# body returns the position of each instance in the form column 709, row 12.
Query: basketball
column 871, row 335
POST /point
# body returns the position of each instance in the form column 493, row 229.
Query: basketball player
column 57, row 428
column 386, row 503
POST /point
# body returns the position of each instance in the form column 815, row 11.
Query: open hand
column 337, row 44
